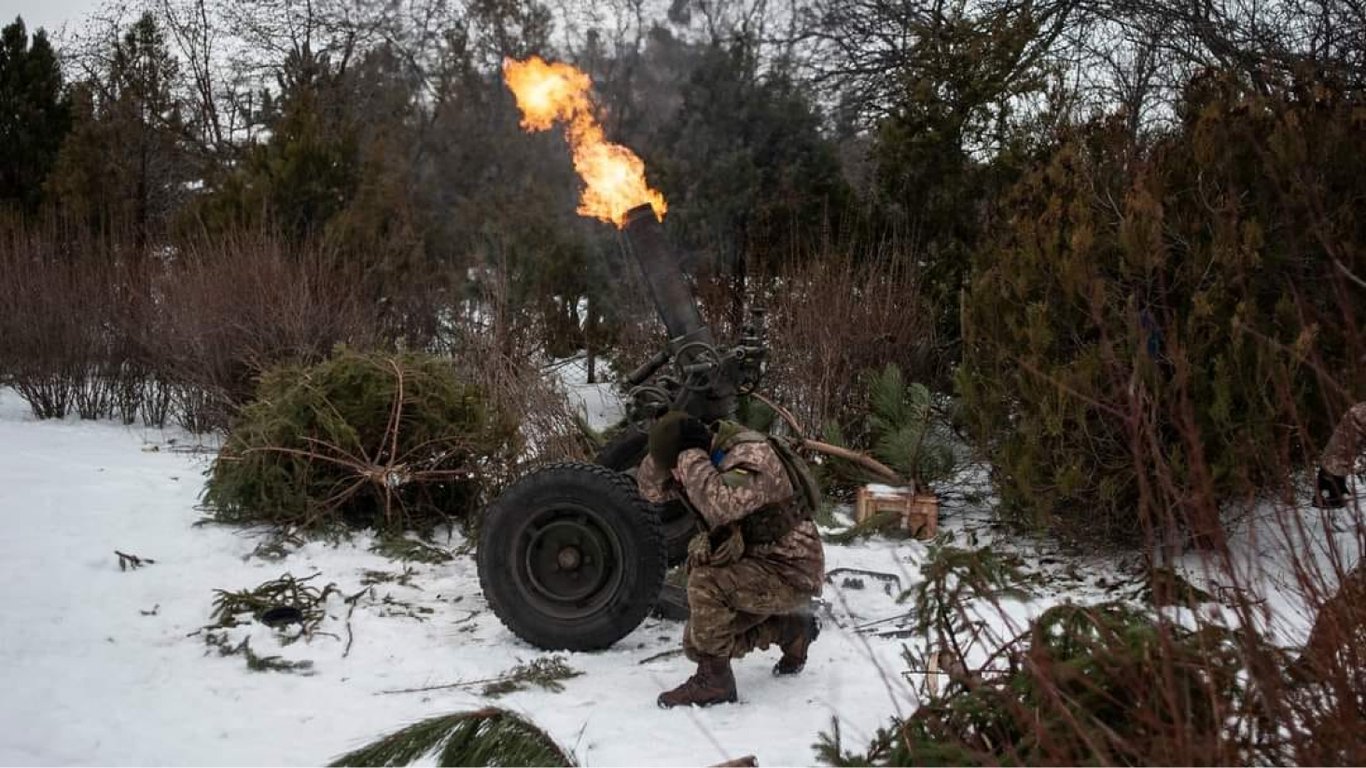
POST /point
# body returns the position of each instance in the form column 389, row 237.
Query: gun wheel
column 571, row 557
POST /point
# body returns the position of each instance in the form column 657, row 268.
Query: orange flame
column 613, row 176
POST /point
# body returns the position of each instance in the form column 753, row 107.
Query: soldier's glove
column 730, row 546
column 673, row 433
column 699, row 550
column 692, row 433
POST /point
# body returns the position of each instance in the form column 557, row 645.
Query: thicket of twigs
column 99, row 327
column 1158, row 678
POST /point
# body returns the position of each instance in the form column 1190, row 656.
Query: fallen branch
column 782, row 412
column 545, row 672
column 351, row 601
column 127, row 561
column 664, row 655
column 848, row 454
column 862, row 459
column 441, row 687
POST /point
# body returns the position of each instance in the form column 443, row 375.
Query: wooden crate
column 919, row 511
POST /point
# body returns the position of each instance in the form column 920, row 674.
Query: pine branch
column 488, row 736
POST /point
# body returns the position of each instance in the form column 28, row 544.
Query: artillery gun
column 570, row 556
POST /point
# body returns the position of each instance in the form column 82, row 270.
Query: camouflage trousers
column 734, row 609
column 1344, row 447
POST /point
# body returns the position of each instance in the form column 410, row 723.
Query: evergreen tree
column 743, row 162
column 949, row 146
column 1158, row 329
column 34, row 115
column 305, row 173
column 123, row 164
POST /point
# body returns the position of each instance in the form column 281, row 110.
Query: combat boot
column 796, row 635
column 713, row 683
column 1331, row 491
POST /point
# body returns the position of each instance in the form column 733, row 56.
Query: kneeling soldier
column 756, row 564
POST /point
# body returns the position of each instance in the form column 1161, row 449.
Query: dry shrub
column 833, row 321
column 630, row 331
column 834, row 318
column 226, row 310
column 63, row 309
column 93, row 325
column 502, row 351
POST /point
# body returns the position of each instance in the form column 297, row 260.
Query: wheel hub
column 570, row 562
column 569, row 558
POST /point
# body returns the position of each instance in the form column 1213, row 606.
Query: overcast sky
column 52, row 14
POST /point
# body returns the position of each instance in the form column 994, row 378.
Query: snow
column 108, row 666
column 601, row 404
column 881, row 491
column 1270, row 542
column 102, row 666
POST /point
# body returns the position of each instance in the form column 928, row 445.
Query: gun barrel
column 643, row 239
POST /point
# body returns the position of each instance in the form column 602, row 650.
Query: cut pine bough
column 488, row 736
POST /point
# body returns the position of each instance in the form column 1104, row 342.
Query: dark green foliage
column 306, row 172
column 886, row 522
column 1086, row 685
column 951, row 142
column 756, row 414
column 123, row 165
column 545, row 672
column 488, row 736
column 743, row 163
column 908, row 433
column 392, row 442
column 903, row 427
column 282, row 603
column 255, row 662
column 1158, row 329
column 399, row 547
column 952, row 576
column 35, row 115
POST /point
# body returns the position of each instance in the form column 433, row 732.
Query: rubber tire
column 672, row 603
column 624, row 453
column 611, row 496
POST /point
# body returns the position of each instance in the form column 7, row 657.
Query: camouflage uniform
column 738, row 591
column 1344, row 447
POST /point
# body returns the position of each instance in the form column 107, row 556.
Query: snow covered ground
column 106, row 666
column 102, row 666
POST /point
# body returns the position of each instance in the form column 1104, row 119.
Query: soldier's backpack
column 798, row 473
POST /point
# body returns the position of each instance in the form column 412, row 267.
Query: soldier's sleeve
column 750, row 478
column 653, row 481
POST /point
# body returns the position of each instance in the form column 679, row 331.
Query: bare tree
column 861, row 50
